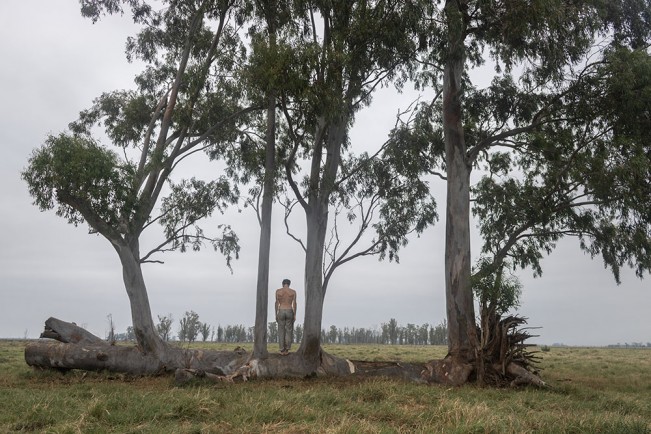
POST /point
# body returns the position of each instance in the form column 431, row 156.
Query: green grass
column 592, row 390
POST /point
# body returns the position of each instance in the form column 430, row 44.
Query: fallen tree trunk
column 91, row 357
column 79, row 349
column 410, row 372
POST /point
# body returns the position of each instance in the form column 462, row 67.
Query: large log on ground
column 49, row 354
column 293, row 365
column 118, row 358
column 403, row 371
column 273, row 366
column 78, row 349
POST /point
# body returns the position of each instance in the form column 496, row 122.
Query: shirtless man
column 285, row 316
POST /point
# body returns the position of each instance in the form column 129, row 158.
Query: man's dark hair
column 287, row 282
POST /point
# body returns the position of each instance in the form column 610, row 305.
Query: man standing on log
column 285, row 316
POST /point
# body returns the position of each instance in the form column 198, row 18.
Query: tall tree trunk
column 317, row 226
column 262, row 298
column 134, row 283
column 317, row 223
column 462, row 333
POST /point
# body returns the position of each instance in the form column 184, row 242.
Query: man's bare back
column 286, row 299
column 285, row 316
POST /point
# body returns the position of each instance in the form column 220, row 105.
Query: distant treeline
column 631, row 345
column 391, row 333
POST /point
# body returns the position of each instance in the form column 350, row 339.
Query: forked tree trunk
column 322, row 185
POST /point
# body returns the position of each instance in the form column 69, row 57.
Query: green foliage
column 164, row 327
column 81, row 180
column 189, row 327
column 125, row 116
column 204, row 330
column 94, row 9
column 386, row 194
column 586, row 174
column 283, row 66
column 496, row 291
column 190, row 201
column 186, row 99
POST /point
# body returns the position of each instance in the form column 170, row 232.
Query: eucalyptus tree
column 347, row 49
column 263, row 79
column 554, row 141
column 185, row 101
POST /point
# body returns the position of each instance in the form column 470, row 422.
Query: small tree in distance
column 189, row 327
column 164, row 327
column 272, row 332
column 204, row 329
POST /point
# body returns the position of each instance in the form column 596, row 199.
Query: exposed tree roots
column 504, row 358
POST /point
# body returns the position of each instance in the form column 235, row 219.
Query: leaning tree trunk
column 144, row 329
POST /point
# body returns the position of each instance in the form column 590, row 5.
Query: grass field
column 593, row 390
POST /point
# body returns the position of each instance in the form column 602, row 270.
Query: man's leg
column 290, row 330
column 281, row 332
column 285, row 329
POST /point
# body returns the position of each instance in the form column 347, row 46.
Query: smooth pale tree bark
column 134, row 283
column 462, row 335
column 310, row 346
column 262, row 293
column 329, row 139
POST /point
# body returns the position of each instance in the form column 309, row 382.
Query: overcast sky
column 54, row 63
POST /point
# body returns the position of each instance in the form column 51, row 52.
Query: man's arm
column 277, row 303
column 294, row 304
